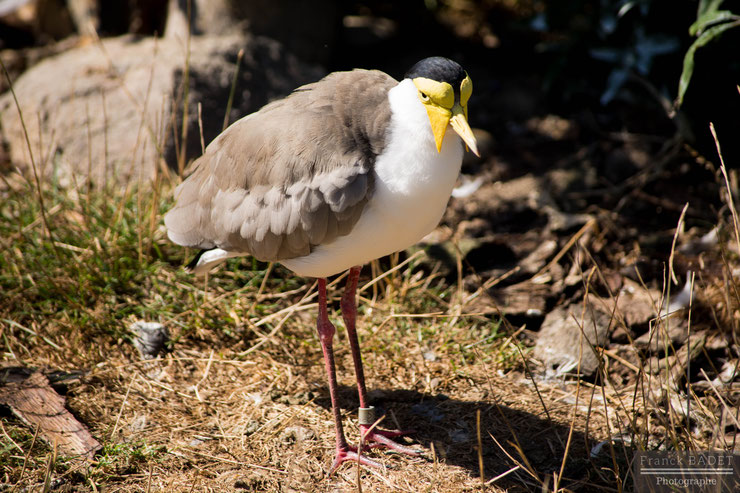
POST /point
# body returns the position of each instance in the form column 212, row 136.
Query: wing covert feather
column 291, row 176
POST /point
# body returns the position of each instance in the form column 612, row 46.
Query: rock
column 635, row 304
column 524, row 299
column 151, row 338
column 671, row 369
column 671, row 334
column 561, row 340
column 552, row 127
column 108, row 109
column 306, row 29
column 299, row 398
column 297, row 434
column 19, row 60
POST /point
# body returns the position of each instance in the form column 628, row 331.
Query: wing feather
column 294, row 175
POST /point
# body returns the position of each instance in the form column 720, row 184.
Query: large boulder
column 113, row 109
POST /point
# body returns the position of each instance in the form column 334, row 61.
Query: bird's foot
column 371, row 439
column 374, row 438
column 349, row 453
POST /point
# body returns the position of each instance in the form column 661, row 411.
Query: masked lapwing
column 340, row 172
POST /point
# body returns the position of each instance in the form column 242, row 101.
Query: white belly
column 413, row 183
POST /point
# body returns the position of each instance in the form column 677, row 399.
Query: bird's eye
column 423, row 96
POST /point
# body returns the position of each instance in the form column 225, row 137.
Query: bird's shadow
column 446, row 430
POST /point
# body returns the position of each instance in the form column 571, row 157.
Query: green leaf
column 707, row 6
column 688, row 59
column 706, row 20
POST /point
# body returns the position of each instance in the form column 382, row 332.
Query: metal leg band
column 366, row 415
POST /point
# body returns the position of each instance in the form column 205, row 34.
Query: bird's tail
column 208, row 259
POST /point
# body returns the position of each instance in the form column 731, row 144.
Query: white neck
column 411, row 160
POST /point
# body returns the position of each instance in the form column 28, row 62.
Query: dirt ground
column 265, row 425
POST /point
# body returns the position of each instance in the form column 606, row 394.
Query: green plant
column 710, row 24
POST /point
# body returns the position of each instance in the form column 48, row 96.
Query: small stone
column 151, row 338
column 297, row 434
column 428, row 411
column 434, row 383
column 139, row 423
column 251, row 427
column 570, row 333
column 459, row 436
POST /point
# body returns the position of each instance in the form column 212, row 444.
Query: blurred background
column 605, row 65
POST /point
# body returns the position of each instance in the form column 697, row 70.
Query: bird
column 342, row 171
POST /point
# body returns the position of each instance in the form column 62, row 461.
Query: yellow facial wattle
column 438, row 99
column 466, row 90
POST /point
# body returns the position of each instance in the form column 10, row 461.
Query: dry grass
column 241, row 401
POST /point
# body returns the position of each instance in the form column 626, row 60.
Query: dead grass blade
column 37, row 181
column 679, row 228
column 50, row 468
column 730, row 199
column 27, row 456
column 123, row 404
column 387, row 273
column 572, row 241
column 186, row 95
column 234, row 80
column 481, row 469
column 200, row 128
column 527, row 467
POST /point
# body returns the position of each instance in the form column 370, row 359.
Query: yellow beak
column 439, row 118
column 459, row 122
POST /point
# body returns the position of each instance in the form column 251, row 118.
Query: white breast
column 413, row 183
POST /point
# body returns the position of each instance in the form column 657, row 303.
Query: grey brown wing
column 276, row 199
column 269, row 222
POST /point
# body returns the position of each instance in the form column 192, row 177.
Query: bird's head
column 444, row 89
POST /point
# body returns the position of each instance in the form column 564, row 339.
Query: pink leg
column 380, row 438
column 344, row 451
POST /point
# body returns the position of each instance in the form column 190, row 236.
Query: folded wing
column 294, row 175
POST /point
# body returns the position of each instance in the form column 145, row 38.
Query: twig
column 33, row 333
column 205, row 376
column 363, row 436
column 572, row 241
column 528, row 467
column 724, row 404
column 50, row 466
column 149, row 478
column 503, row 474
column 230, row 461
